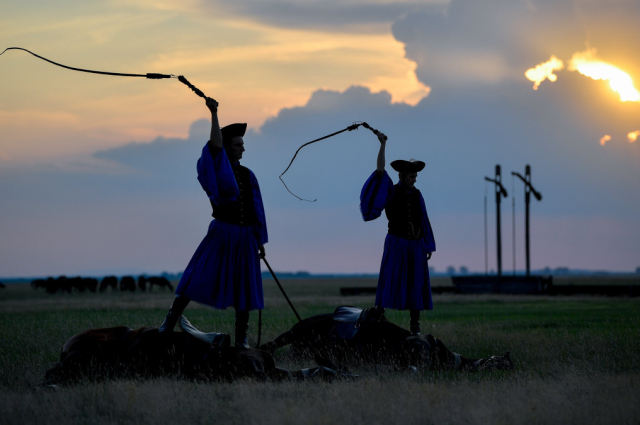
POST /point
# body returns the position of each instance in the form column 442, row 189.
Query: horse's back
column 108, row 341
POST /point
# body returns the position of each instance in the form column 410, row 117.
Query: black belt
column 237, row 222
column 406, row 231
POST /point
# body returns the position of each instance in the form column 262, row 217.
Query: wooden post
column 528, row 190
column 500, row 191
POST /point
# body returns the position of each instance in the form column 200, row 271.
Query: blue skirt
column 404, row 275
column 225, row 269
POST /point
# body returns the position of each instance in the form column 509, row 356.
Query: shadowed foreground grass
column 577, row 360
column 570, row 398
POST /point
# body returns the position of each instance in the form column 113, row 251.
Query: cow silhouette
column 142, row 283
column 160, row 281
column 63, row 283
column 109, row 281
column 127, row 283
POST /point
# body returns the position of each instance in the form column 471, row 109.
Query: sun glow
column 587, row 64
column 604, row 139
column 633, row 136
column 544, row 71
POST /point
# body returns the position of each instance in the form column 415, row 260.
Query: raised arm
column 216, row 136
column 383, row 143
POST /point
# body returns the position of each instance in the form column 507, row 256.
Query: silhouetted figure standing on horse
column 225, row 269
column 404, row 282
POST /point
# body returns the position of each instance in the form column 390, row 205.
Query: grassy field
column 577, row 361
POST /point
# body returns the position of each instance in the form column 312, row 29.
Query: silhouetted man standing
column 225, row 269
column 404, row 282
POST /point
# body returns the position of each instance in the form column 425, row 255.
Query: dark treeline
column 108, row 283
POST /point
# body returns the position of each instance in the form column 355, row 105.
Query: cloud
column 489, row 42
column 347, row 16
column 462, row 134
column 459, row 134
column 327, row 15
column 160, row 156
column 147, row 195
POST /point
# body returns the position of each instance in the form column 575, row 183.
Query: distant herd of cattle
column 82, row 284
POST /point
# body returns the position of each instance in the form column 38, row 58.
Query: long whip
column 352, row 127
column 281, row 289
column 149, row 75
column 285, row 296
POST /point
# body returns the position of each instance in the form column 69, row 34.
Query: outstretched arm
column 383, row 143
column 216, row 136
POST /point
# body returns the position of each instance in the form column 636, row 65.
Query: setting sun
column 587, row 64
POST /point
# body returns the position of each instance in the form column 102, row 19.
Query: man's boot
column 242, row 326
column 414, row 326
column 179, row 304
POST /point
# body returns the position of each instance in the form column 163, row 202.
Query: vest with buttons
column 404, row 213
column 241, row 211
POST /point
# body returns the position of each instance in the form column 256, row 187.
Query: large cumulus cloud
column 491, row 41
column 147, row 196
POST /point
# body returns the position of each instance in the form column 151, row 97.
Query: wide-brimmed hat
column 411, row 166
column 233, row 130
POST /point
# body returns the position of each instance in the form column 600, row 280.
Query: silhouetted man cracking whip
column 404, row 282
column 225, row 269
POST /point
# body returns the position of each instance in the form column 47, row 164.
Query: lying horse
column 121, row 352
column 352, row 334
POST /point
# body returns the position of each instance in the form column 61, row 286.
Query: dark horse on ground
column 351, row 334
column 121, row 352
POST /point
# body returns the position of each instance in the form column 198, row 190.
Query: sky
column 97, row 173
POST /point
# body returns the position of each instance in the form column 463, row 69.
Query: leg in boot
column 414, row 326
column 242, row 326
column 179, row 304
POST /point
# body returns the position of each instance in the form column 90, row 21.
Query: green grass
column 566, row 345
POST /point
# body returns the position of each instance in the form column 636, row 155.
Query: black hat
column 411, row 166
column 233, row 130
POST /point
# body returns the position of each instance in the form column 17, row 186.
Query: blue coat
column 225, row 269
column 404, row 281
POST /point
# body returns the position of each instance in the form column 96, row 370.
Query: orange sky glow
column 588, row 64
column 97, row 173
column 253, row 70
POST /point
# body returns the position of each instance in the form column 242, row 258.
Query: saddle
column 349, row 319
column 215, row 339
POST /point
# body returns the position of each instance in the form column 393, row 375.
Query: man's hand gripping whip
column 350, row 128
column 150, row 75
